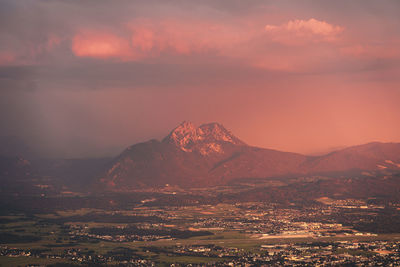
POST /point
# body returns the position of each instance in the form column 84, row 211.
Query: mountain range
column 211, row 155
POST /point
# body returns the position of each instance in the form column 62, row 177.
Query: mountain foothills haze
column 87, row 79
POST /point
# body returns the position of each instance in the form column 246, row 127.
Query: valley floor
column 329, row 232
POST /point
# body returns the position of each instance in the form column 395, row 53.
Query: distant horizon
column 117, row 150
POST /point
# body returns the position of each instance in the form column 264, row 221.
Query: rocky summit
column 205, row 139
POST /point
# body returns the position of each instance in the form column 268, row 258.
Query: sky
column 88, row 78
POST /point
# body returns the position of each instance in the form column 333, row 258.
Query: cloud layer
column 86, row 78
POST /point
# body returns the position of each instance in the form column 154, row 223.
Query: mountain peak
column 185, row 126
column 218, row 132
column 183, row 135
column 188, row 137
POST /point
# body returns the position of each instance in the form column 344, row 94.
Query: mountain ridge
column 211, row 155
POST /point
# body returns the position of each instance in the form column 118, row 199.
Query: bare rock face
column 183, row 136
column 206, row 139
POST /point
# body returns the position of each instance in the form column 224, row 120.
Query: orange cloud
column 100, row 45
column 295, row 31
column 148, row 39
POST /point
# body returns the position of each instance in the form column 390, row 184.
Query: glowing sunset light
column 297, row 77
column 172, row 132
column 100, row 45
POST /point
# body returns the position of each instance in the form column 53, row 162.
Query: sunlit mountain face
column 199, row 133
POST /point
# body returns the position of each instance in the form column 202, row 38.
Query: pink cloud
column 314, row 26
column 180, row 37
column 245, row 43
column 145, row 39
column 149, row 39
column 99, row 44
column 301, row 31
column 318, row 43
column 29, row 52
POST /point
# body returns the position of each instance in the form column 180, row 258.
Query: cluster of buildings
column 342, row 253
column 278, row 233
column 77, row 256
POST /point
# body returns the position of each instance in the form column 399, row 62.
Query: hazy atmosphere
column 204, row 133
column 88, row 78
